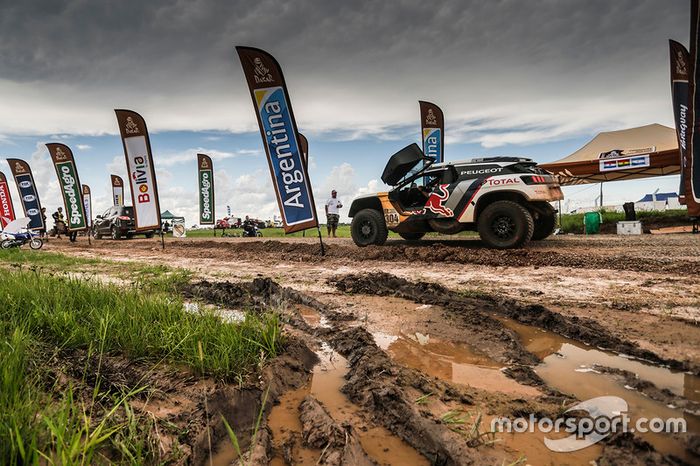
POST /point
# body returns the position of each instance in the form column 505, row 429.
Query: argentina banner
column 7, row 211
column 71, row 189
column 140, row 169
column 280, row 137
column 432, row 131
column 206, row 189
column 679, row 97
column 117, row 190
column 27, row 193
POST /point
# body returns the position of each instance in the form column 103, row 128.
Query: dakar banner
column 139, row 165
column 280, row 136
column 71, row 189
column 304, row 145
column 7, row 211
column 117, row 190
column 87, row 201
column 692, row 196
column 432, row 125
column 679, row 97
column 27, row 192
column 206, row 189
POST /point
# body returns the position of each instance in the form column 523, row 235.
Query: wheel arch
column 489, row 198
column 369, row 202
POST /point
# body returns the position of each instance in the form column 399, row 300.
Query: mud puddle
column 453, row 362
column 312, row 317
column 326, row 383
column 584, row 372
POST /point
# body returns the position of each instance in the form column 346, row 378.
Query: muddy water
column 453, row 362
column 328, row 378
column 568, row 366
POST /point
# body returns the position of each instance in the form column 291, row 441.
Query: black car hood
column 401, row 163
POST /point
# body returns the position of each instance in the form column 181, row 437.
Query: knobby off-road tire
column 412, row 236
column 116, row 234
column 150, row 234
column 36, row 243
column 368, row 227
column 505, row 225
column 544, row 226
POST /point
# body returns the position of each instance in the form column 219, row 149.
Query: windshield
column 128, row 211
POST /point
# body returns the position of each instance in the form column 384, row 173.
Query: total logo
column 502, row 181
column 32, row 212
column 29, row 198
column 25, row 184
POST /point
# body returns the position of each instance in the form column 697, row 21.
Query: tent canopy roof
column 167, row 215
column 656, row 141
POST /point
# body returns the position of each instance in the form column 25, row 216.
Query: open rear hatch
column 401, row 163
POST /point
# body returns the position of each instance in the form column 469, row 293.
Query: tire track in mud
column 379, row 386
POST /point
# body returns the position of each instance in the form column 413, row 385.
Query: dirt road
column 473, row 330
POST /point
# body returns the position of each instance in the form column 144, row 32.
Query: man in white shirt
column 333, row 206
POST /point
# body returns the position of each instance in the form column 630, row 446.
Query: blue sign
column 30, row 201
column 432, row 143
column 293, row 190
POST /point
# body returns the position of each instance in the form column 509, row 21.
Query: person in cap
column 333, row 206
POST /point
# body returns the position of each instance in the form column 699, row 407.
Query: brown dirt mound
column 474, row 309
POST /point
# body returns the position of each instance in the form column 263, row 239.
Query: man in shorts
column 333, row 206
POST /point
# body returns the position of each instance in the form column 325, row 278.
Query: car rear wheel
column 150, row 234
column 544, row 226
column 368, row 227
column 412, row 236
column 505, row 225
column 116, row 234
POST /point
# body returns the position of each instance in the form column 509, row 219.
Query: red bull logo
column 436, row 201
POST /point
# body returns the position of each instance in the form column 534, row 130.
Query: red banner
column 7, row 211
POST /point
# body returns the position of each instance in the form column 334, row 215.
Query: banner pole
column 162, row 238
column 320, row 240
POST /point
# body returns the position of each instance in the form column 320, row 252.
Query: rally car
column 506, row 199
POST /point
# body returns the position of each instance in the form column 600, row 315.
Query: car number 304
column 391, row 217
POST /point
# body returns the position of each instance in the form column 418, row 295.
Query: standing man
column 333, row 206
column 58, row 223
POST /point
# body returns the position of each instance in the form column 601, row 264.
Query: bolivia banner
column 692, row 197
column 117, row 190
column 139, row 165
column 87, row 200
column 28, row 193
column 7, row 211
column 206, row 189
column 70, row 185
column 679, row 97
column 280, row 136
column 432, row 125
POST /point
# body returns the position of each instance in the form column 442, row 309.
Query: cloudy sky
column 536, row 79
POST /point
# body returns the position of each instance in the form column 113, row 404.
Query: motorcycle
column 251, row 231
column 17, row 235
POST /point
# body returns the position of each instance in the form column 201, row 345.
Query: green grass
column 573, row 223
column 42, row 314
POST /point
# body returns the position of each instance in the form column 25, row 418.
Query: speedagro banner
column 28, row 193
column 679, row 96
column 432, row 124
column 139, row 164
column 692, row 196
column 72, row 190
column 280, row 136
column 206, row 189
column 7, row 211
column 87, row 200
column 117, row 190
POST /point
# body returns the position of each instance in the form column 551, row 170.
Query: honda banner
column 117, row 190
column 280, row 137
column 27, row 192
column 87, row 200
column 432, row 125
column 206, row 189
column 142, row 174
column 679, row 97
column 71, row 189
column 692, row 196
column 7, row 211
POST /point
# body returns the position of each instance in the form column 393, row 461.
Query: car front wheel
column 368, row 227
column 505, row 225
column 116, row 234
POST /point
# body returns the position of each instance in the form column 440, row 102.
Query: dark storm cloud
column 164, row 49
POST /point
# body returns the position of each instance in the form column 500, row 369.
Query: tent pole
column 601, row 195
column 560, row 214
